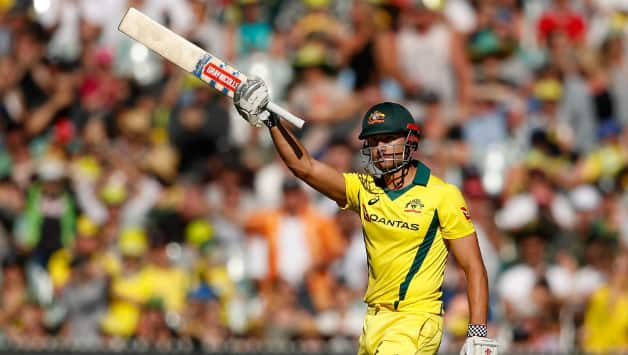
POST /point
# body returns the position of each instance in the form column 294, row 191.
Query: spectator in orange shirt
column 297, row 238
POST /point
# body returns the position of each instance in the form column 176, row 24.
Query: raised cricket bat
column 190, row 57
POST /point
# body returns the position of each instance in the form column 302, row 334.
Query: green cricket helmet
column 385, row 118
column 389, row 118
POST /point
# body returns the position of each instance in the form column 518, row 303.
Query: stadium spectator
column 426, row 42
column 14, row 291
column 48, row 221
column 604, row 322
column 296, row 237
column 84, row 298
column 129, row 290
column 88, row 249
column 562, row 18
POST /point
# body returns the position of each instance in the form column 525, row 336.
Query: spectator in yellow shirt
column 168, row 282
column 606, row 316
column 131, row 288
column 88, row 245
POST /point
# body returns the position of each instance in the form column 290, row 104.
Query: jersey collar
column 422, row 175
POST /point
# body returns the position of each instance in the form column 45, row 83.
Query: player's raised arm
column 250, row 99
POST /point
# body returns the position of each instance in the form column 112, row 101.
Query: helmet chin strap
column 395, row 179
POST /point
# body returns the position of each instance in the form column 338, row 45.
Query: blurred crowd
column 136, row 206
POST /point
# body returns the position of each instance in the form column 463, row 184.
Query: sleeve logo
column 466, row 213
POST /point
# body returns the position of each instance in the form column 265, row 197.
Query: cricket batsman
column 411, row 220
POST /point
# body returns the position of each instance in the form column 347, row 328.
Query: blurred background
column 139, row 212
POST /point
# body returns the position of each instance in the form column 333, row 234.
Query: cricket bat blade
column 190, row 57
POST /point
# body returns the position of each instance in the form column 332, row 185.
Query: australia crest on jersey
column 414, row 206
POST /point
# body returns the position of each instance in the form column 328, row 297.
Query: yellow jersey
column 404, row 232
column 605, row 322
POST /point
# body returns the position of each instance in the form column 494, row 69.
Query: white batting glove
column 479, row 346
column 250, row 99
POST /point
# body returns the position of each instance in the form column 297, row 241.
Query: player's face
column 387, row 150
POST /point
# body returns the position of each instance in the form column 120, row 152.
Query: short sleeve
column 454, row 215
column 352, row 187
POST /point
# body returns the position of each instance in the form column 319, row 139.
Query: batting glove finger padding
column 479, row 346
column 250, row 99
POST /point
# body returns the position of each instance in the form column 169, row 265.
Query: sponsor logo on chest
column 383, row 220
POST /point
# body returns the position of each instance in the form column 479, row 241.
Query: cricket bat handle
column 283, row 113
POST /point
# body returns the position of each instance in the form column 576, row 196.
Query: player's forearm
column 291, row 150
column 477, row 291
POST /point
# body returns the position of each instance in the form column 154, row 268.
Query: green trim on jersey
column 394, row 194
column 421, row 253
column 421, row 177
column 369, row 266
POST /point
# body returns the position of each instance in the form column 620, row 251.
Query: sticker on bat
column 221, row 76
